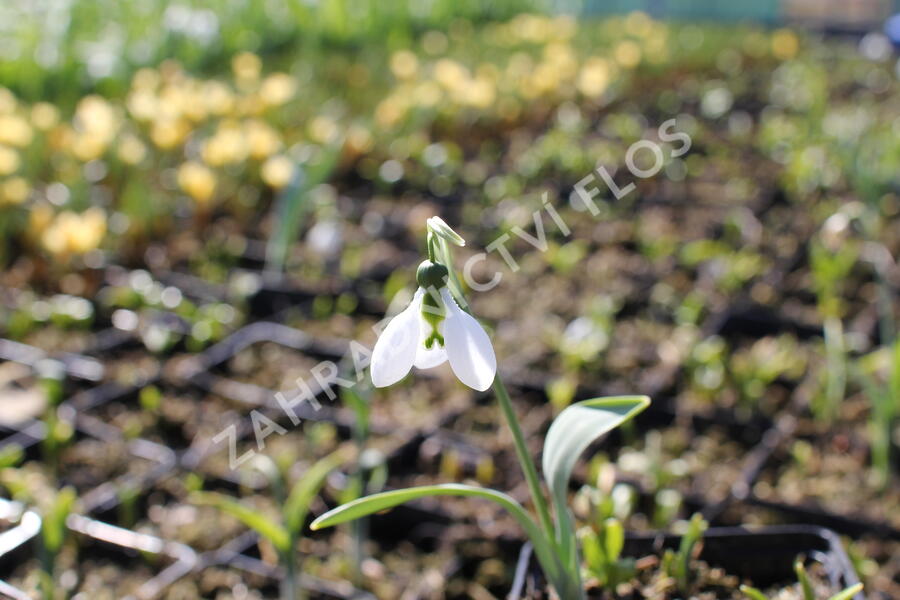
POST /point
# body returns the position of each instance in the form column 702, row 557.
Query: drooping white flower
column 431, row 330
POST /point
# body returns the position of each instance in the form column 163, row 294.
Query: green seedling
column 884, row 393
column 285, row 532
column 368, row 473
column 676, row 564
column 602, row 548
column 831, row 263
column 128, row 499
column 806, row 588
column 295, row 202
column 150, row 399
column 452, row 329
column 53, row 535
column 10, row 456
column 51, row 376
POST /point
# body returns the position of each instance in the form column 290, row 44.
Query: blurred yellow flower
column 86, row 147
column 404, row 64
column 246, row 67
column 9, row 160
column 186, row 101
column 277, row 171
column 530, row 28
column 167, row 133
column 389, row 111
column 545, row 79
column 359, row 140
column 145, row 78
column 262, row 139
column 44, row 116
column 450, row 73
column 142, row 105
column 638, row 24
column 95, row 126
column 131, row 149
column 197, row 181
column 561, row 57
column 218, row 97
column 227, row 146
column 277, row 88
column 785, row 44
column 96, row 115
column 39, row 218
column 480, row 93
column 89, row 232
column 594, row 77
column 14, row 131
column 7, row 101
column 14, row 191
column 427, row 94
column 627, row 54
column 72, row 233
column 563, row 27
column 323, row 129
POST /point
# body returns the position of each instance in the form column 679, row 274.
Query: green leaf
column 848, row 593
column 569, row 435
column 753, row 593
column 306, row 489
column 803, row 578
column 594, row 555
column 11, row 455
column 696, row 528
column 293, row 203
column 262, row 525
column 359, row 404
column 54, row 522
column 378, row 502
column 614, row 538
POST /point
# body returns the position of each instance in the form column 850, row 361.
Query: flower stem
column 525, row 460
column 531, row 476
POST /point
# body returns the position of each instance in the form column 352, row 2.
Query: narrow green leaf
column 695, row 531
column 306, row 489
column 594, row 555
column 262, row 525
column 11, row 455
column 753, row 593
column 614, row 537
column 293, row 203
column 569, row 435
column 803, row 578
column 378, row 502
column 54, row 522
column 848, row 593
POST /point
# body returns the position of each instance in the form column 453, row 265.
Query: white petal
column 425, row 358
column 468, row 347
column 395, row 350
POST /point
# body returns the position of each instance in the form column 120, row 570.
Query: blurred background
column 199, row 201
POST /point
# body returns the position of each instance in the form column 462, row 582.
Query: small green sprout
column 285, row 532
column 806, row 587
column 53, row 535
column 677, row 564
column 11, row 455
column 602, row 548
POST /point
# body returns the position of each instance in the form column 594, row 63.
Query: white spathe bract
column 401, row 346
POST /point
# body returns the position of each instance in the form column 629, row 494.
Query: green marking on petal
column 433, row 312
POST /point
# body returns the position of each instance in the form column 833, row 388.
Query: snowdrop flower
column 431, row 330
